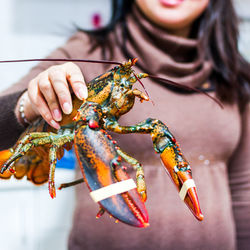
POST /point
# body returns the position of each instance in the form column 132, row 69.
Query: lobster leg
column 140, row 179
column 172, row 158
column 70, row 184
column 52, row 161
column 25, row 145
column 27, row 138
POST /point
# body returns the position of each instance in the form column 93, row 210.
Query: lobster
column 100, row 158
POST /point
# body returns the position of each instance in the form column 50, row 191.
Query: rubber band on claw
column 113, row 189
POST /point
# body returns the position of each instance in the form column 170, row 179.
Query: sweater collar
column 162, row 54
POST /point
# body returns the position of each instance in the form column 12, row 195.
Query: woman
column 191, row 42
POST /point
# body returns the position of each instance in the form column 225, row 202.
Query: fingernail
column 67, row 108
column 55, row 124
column 83, row 92
column 57, row 115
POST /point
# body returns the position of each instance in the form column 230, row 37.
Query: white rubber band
column 186, row 185
column 113, row 189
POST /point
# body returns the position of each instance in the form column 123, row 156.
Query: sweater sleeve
column 239, row 176
column 10, row 127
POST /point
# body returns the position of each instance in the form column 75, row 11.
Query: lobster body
column 110, row 96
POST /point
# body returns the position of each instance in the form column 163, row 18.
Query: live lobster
column 110, row 96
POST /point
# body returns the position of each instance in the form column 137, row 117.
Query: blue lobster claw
column 101, row 168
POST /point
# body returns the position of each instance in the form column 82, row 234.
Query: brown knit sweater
column 216, row 142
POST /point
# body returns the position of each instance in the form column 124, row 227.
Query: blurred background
column 30, row 219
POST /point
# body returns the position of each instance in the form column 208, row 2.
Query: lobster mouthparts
column 109, row 184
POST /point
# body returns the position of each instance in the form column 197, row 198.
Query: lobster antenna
column 178, row 85
column 62, row 60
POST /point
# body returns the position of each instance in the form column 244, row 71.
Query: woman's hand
column 49, row 95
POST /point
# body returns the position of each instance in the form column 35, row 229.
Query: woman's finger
column 76, row 80
column 49, row 95
column 57, row 77
column 40, row 104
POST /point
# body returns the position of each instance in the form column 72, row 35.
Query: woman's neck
column 183, row 32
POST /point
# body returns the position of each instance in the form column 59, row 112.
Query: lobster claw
column 180, row 173
column 126, row 206
column 109, row 184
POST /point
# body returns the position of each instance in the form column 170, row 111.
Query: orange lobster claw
column 180, row 173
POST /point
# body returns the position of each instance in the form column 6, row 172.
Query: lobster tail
column 4, row 156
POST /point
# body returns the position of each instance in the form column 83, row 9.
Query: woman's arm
column 239, row 175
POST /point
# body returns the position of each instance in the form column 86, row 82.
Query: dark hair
column 217, row 29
